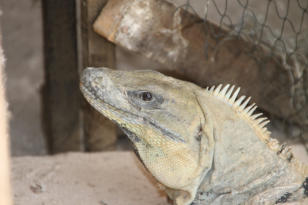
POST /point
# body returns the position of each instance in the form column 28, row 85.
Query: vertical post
column 61, row 96
column 5, row 188
column 95, row 51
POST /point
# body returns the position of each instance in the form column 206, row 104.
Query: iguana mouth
column 105, row 106
column 134, row 138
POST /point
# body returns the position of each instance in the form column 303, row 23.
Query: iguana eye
column 145, row 99
column 146, row 96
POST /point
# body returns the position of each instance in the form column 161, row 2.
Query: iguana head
column 162, row 117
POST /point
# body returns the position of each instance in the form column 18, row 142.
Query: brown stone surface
column 109, row 178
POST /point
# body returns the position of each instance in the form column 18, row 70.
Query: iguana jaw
column 112, row 112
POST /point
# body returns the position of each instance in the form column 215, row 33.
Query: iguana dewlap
column 205, row 146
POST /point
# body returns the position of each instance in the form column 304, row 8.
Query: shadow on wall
column 22, row 43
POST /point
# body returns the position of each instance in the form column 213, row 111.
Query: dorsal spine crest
column 258, row 123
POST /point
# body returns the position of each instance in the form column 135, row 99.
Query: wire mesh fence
column 276, row 29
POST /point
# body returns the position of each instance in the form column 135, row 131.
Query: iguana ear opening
column 206, row 140
column 207, row 137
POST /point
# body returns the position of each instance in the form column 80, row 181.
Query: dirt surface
column 109, row 178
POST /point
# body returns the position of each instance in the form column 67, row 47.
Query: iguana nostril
column 98, row 81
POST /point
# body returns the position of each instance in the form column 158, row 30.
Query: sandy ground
column 109, row 178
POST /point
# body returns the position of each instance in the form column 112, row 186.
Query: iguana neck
column 243, row 164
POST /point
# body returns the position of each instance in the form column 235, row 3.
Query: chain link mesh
column 278, row 27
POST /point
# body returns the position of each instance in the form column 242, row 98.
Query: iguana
column 204, row 146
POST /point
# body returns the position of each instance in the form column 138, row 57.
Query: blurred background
column 22, row 35
column 39, row 125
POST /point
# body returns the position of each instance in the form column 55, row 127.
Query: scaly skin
column 204, row 146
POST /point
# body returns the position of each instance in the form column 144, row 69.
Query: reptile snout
column 92, row 77
column 93, row 80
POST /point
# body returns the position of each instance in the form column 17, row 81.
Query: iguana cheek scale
column 205, row 146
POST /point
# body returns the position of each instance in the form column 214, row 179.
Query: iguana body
column 205, row 146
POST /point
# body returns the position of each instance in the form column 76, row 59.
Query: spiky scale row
column 228, row 95
column 255, row 120
column 244, row 104
column 234, row 96
column 240, row 104
column 251, row 108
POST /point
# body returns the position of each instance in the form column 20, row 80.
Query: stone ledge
column 108, row 178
